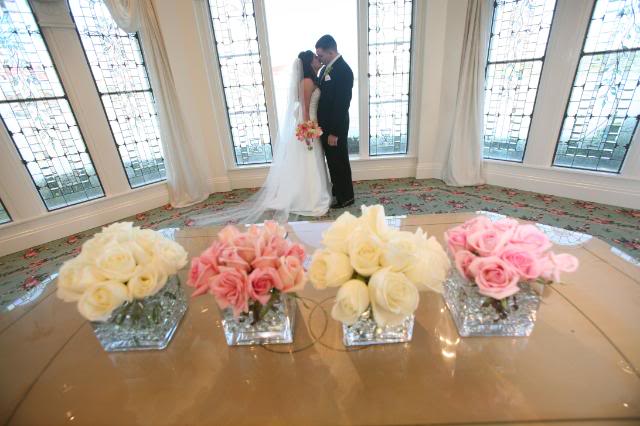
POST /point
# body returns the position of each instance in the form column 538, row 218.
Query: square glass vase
column 275, row 327
column 478, row 315
column 144, row 324
column 365, row 331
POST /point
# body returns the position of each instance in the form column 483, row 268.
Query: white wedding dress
column 298, row 181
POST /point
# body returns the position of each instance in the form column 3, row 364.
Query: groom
column 336, row 83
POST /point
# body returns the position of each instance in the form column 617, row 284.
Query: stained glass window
column 390, row 24
column 118, row 68
column 4, row 216
column 519, row 36
column 37, row 114
column 604, row 105
column 234, row 29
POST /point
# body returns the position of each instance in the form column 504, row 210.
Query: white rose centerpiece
column 124, row 277
column 379, row 273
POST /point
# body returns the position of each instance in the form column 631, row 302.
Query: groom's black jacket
column 335, row 98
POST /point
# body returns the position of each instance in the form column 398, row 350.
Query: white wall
column 438, row 29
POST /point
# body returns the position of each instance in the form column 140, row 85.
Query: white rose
column 399, row 251
column 365, row 249
column 116, row 262
column 70, row 284
column 92, row 248
column 351, row 301
column 147, row 280
column 99, row 301
column 373, row 219
column 393, row 297
column 329, row 269
column 170, row 255
column 336, row 238
column 430, row 267
column 122, row 231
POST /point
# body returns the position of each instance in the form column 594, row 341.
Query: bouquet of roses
column 119, row 264
column 307, row 131
column 248, row 270
column 376, row 266
column 498, row 255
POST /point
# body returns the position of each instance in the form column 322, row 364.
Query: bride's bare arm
column 308, row 87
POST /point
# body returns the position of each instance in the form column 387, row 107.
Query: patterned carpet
column 25, row 275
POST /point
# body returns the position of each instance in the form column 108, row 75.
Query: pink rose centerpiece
column 253, row 276
column 490, row 291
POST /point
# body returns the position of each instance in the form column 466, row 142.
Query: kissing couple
column 320, row 92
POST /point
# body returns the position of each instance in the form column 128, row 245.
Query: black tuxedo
column 333, row 117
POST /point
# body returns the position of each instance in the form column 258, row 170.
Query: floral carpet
column 25, row 275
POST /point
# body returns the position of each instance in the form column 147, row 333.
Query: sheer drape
column 464, row 162
column 186, row 173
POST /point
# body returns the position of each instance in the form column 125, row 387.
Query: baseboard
column 21, row 235
column 595, row 187
column 428, row 171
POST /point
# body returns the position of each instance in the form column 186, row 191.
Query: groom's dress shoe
column 338, row 205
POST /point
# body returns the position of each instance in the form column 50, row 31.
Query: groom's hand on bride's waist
column 332, row 140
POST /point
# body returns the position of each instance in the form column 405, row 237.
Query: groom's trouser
column 339, row 168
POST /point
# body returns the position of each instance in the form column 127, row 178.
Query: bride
column 297, row 182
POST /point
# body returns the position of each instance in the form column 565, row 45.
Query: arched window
column 236, row 38
column 37, row 114
column 603, row 109
column 117, row 65
column 519, row 36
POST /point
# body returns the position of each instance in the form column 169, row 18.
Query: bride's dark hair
column 307, row 70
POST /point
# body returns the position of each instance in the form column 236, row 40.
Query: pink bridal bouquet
column 497, row 256
column 307, row 131
column 248, row 271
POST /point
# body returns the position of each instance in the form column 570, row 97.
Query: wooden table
column 580, row 364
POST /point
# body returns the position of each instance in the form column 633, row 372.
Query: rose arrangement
column 307, row 131
column 496, row 256
column 376, row 266
column 119, row 264
column 249, row 270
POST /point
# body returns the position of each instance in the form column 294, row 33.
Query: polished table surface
column 580, row 364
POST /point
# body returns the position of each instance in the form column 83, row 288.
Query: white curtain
column 184, row 160
column 464, row 163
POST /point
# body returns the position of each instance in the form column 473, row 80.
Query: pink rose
column 229, row 257
column 210, row 255
column 268, row 251
column 478, row 223
column 230, row 288
column 487, row 242
column 296, row 250
column 553, row 264
column 228, row 233
column 261, row 281
column 463, row 259
column 245, row 245
column 523, row 259
column 495, row 277
column 200, row 274
column 531, row 236
column 291, row 274
column 456, row 239
column 273, row 229
column 506, row 224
